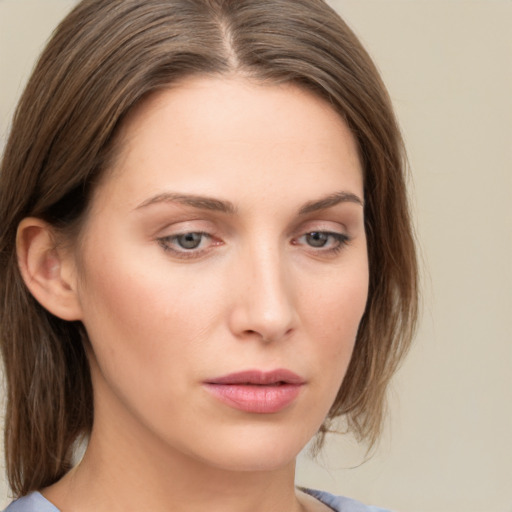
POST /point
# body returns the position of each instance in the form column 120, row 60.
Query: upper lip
column 259, row 377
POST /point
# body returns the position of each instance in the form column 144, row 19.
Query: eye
column 327, row 241
column 185, row 245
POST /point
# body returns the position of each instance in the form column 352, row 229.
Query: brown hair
column 102, row 60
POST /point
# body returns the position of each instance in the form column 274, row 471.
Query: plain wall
column 448, row 66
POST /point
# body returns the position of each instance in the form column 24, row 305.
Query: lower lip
column 254, row 398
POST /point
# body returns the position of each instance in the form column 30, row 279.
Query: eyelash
column 340, row 240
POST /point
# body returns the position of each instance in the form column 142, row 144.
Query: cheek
column 333, row 314
column 143, row 319
column 336, row 308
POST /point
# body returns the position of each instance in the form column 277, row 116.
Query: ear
column 48, row 271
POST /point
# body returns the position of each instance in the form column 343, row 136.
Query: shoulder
column 340, row 503
column 34, row 502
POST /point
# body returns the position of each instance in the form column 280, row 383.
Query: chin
column 254, row 449
column 272, row 459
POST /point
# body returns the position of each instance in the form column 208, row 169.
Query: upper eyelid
column 183, row 227
column 323, row 225
column 216, row 227
column 203, row 218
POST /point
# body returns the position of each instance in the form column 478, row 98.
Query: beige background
column 448, row 65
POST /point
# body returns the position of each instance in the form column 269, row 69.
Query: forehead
column 208, row 134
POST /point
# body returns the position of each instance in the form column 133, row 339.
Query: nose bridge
column 265, row 303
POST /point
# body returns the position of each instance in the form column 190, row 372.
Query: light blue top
column 36, row 502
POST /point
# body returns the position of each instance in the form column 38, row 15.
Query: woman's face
column 224, row 273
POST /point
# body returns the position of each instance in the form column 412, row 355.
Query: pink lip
column 257, row 391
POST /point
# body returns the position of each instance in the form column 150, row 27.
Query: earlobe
column 47, row 270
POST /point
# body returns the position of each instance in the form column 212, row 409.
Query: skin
column 258, row 292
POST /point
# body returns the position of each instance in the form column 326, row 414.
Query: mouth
column 256, row 391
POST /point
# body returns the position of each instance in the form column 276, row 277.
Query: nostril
column 267, row 335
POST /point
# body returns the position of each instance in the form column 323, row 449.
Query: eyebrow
column 217, row 205
column 330, row 201
column 201, row 202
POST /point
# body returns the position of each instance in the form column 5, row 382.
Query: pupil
column 316, row 239
column 190, row 240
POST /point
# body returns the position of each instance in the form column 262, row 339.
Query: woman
column 207, row 256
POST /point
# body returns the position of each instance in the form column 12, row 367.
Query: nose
column 263, row 305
